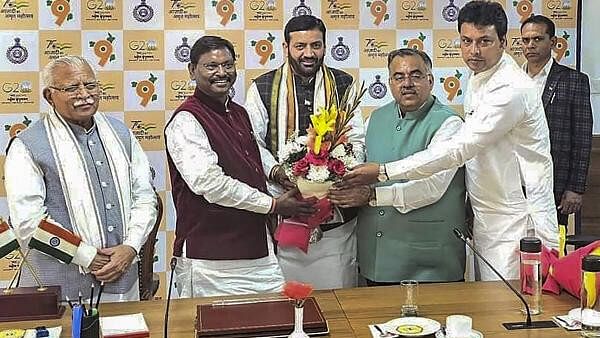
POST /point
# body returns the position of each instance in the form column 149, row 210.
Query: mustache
column 89, row 100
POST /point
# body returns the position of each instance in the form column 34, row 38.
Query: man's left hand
column 350, row 197
column 121, row 257
column 362, row 174
column 570, row 202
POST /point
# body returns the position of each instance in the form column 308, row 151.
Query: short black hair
column 484, row 13
column 209, row 43
column 303, row 23
column 402, row 52
column 540, row 19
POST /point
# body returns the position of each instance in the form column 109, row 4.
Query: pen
column 552, row 98
column 69, row 301
column 91, row 300
column 99, row 294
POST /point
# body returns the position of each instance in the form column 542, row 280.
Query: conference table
column 350, row 311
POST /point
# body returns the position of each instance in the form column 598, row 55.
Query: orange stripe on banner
column 60, row 232
column 3, row 227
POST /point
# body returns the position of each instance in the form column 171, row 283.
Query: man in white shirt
column 219, row 187
column 504, row 145
column 565, row 94
column 90, row 175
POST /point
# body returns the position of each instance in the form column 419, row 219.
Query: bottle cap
column 591, row 263
column 531, row 244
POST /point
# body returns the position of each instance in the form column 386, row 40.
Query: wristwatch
column 382, row 177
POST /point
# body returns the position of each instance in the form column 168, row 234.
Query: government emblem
column 182, row 52
column 450, row 12
column 143, row 12
column 302, row 9
column 377, row 89
column 340, row 51
column 16, row 53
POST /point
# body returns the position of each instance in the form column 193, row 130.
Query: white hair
column 74, row 61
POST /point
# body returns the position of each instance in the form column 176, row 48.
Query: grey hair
column 74, row 61
column 402, row 52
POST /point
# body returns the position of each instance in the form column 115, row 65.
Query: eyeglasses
column 90, row 87
column 399, row 78
column 213, row 67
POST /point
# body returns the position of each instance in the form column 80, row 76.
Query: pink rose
column 300, row 168
column 337, row 167
column 318, row 159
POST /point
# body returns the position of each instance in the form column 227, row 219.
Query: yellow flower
column 322, row 122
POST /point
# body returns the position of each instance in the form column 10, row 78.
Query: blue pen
column 77, row 318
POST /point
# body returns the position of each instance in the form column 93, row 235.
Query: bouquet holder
column 295, row 231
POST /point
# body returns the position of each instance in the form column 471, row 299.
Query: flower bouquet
column 316, row 161
column 297, row 292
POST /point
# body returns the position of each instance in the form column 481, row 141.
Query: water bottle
column 531, row 273
column 590, row 307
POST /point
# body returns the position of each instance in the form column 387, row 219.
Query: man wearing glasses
column 221, row 240
column 504, row 144
column 87, row 173
column 405, row 229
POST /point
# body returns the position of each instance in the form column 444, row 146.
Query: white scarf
column 319, row 100
column 75, row 177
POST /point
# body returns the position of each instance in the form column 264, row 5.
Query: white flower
column 338, row 152
column 302, row 139
column 349, row 161
column 289, row 148
column 318, row 173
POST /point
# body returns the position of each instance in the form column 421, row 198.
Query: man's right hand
column 279, row 177
column 288, row 205
column 99, row 261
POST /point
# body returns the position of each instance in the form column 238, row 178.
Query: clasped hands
column 110, row 263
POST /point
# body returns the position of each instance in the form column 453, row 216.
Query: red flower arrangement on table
column 317, row 160
column 298, row 293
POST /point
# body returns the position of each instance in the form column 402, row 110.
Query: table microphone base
column 541, row 324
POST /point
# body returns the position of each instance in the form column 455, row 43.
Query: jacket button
column 398, row 128
column 381, row 212
column 379, row 234
column 110, row 228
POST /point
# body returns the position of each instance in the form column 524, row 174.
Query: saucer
column 412, row 326
column 474, row 334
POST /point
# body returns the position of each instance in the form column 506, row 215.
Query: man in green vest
column 405, row 227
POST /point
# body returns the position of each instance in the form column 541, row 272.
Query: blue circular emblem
column 302, row 9
column 143, row 12
column 450, row 12
column 54, row 241
column 183, row 51
column 16, row 53
column 340, row 51
column 377, row 89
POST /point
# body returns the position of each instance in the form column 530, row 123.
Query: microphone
column 528, row 324
column 172, row 264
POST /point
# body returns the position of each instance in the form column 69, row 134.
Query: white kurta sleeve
column 26, row 193
column 190, row 150
column 144, row 204
column 501, row 110
column 416, row 194
column 356, row 135
column 259, row 118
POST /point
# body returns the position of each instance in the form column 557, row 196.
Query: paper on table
column 125, row 324
column 53, row 331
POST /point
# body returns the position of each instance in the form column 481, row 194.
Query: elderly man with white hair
column 88, row 176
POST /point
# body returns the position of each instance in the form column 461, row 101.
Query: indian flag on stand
column 55, row 241
column 8, row 240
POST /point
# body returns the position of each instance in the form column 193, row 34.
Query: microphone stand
column 172, row 264
column 528, row 324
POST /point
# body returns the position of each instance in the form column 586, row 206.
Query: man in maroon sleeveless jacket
column 219, row 187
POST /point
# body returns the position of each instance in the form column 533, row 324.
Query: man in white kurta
column 297, row 88
column 504, row 145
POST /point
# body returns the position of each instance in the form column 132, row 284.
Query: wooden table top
column 350, row 311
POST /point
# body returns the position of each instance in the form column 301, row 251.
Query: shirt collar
column 544, row 71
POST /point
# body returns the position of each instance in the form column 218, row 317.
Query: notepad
column 131, row 326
